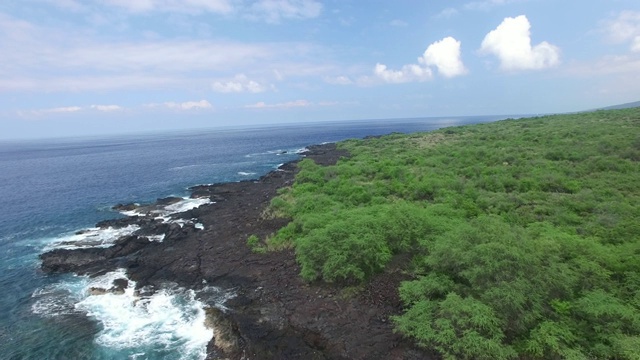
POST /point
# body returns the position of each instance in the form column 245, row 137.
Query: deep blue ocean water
column 52, row 188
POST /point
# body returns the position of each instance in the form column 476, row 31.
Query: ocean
column 52, row 188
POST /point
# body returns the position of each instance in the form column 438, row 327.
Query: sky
column 93, row 67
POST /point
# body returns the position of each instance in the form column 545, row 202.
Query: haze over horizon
column 95, row 67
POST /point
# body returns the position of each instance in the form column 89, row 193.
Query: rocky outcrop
column 275, row 315
column 148, row 209
column 118, row 287
column 84, row 261
column 227, row 340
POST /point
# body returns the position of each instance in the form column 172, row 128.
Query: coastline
column 274, row 313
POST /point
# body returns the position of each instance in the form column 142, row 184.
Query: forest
column 522, row 236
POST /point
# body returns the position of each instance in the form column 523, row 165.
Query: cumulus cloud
column 408, row 73
column 625, row 28
column 187, row 105
column 240, row 83
column 284, row 105
column 510, row 42
column 445, row 56
column 273, row 11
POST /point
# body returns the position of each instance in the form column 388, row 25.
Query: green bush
column 255, row 245
column 523, row 235
column 359, row 242
column 459, row 328
column 253, row 241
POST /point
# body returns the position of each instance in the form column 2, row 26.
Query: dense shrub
column 359, row 242
column 523, row 235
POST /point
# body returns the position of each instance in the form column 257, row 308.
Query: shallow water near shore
column 53, row 188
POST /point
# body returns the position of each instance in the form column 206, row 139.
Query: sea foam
column 186, row 205
column 169, row 323
column 58, row 299
column 183, row 205
column 92, row 237
column 171, row 319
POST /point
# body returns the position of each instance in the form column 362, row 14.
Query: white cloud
column 50, row 111
column 339, row 80
column 66, row 51
column 106, row 108
column 54, row 59
column 625, row 66
column 445, row 55
column 182, row 6
column 187, row 105
column 89, row 83
column 408, row 73
column 258, row 105
column 240, row 83
column 273, row 11
column 73, row 109
column 625, row 28
column 328, row 103
column 288, row 69
column 67, row 109
column 447, row 13
column 174, row 56
column 487, row 4
column 635, row 45
column 71, row 5
column 476, row 5
column 284, row 105
column 511, row 43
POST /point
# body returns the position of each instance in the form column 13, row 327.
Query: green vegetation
column 253, row 242
column 523, row 235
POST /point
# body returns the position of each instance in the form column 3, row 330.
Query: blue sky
column 91, row 67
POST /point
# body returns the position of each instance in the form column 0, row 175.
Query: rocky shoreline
column 274, row 315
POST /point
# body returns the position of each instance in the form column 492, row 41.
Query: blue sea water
column 52, row 188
